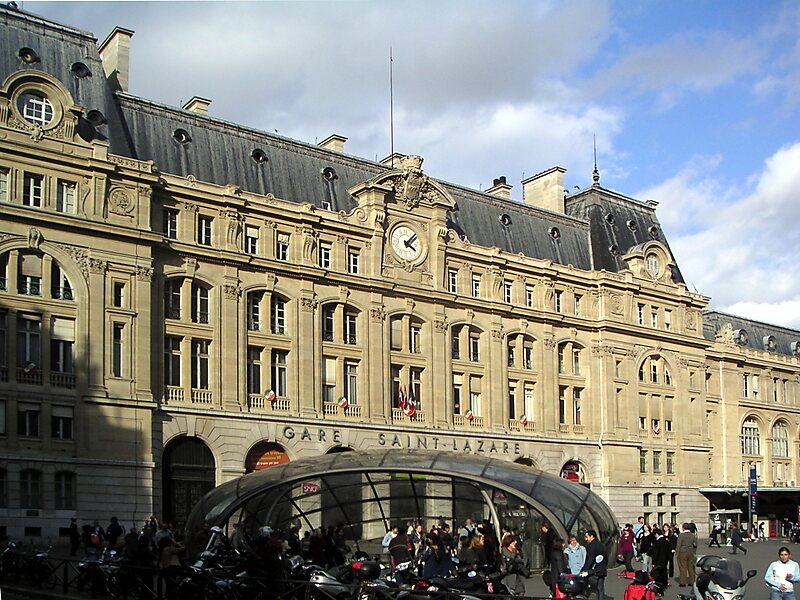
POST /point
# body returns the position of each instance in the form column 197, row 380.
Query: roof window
column 653, row 231
column 505, row 220
column 632, row 225
column 610, row 218
column 329, row 174
column 554, row 233
column 29, row 56
column 181, row 136
column 259, row 156
column 614, row 249
column 96, row 118
column 80, row 70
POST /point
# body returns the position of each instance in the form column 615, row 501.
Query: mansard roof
column 220, row 152
column 757, row 334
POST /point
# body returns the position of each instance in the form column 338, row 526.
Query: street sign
column 752, row 503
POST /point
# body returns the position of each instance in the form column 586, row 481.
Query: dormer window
column 653, row 264
column 36, row 109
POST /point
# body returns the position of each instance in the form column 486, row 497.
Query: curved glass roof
column 403, row 484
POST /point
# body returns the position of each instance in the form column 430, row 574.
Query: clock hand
column 409, row 243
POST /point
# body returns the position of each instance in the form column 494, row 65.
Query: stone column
column 144, row 369
column 228, row 339
column 441, row 354
column 97, row 334
column 378, row 369
column 309, row 341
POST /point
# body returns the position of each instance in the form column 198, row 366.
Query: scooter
column 719, row 579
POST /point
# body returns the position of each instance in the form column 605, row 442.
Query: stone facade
column 140, row 307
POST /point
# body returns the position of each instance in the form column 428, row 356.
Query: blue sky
column 694, row 104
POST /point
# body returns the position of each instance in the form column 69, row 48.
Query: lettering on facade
column 434, row 442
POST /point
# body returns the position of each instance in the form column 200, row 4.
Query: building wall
column 651, row 387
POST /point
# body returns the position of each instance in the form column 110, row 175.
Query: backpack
column 638, row 592
column 94, row 539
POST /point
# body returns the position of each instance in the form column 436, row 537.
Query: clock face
column 405, row 243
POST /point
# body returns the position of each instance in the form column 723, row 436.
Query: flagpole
column 391, row 107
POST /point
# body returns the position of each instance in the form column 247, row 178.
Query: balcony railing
column 398, row 415
column 563, row 428
column 278, row 329
column 30, row 288
column 171, row 312
column 253, row 325
column 334, row 409
column 202, row 396
column 62, row 293
column 3, row 284
column 62, row 380
column 463, row 421
column 516, row 425
column 200, row 318
column 30, row 376
column 327, row 336
column 173, row 393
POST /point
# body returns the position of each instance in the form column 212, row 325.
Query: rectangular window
column 755, row 387
column 452, row 281
column 512, row 400
column 172, row 299
column 350, row 328
column 745, row 385
column 656, row 461
column 329, row 379
column 60, row 287
column 527, row 357
column 254, row 311
column 328, row 323
column 529, row 295
column 324, row 256
column 457, row 393
column 251, row 239
column 455, row 343
column 116, row 349
column 642, row 422
column 562, row 405
column 119, row 294
column 170, row 223
column 576, row 361
column 65, row 490
column 28, row 420
column 476, row 286
column 578, row 301
column 172, row 361
column 414, row 338
column 557, row 301
column 642, row 461
column 32, row 190
column 28, row 340
column 512, row 355
column 507, row 292
column 65, row 197
column 253, row 370
column 282, row 246
column 475, row 395
column 279, row 376
column 576, row 406
column 29, row 277
column 204, row 230
column 2, row 432
column 640, row 313
column 671, row 466
column 474, row 347
column 4, row 178
column 653, row 372
column 415, row 386
column 30, row 493
column 278, row 316
column 774, row 389
column 199, row 304
column 353, row 256
column 654, row 318
column 61, row 422
column 61, row 360
column 529, row 398
column 667, row 319
column 200, row 364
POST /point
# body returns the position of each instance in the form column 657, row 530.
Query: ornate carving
column 412, row 186
column 97, row 265
column 35, row 237
column 549, row 341
column 83, row 194
column 691, row 320
column 377, row 314
column 617, row 305
column 233, row 232
column 470, row 314
column 270, row 224
column 121, row 201
column 191, row 180
column 79, row 255
column 380, row 217
column 725, row 334
column 341, row 239
column 497, row 333
column 309, row 242
column 190, row 207
column 440, row 325
column 232, row 291
column 496, row 277
column 144, row 273
column 308, row 304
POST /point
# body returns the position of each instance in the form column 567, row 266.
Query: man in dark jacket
column 660, row 552
column 596, row 564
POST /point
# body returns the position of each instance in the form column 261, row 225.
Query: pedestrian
column 660, row 553
column 596, row 564
column 548, row 536
column 645, row 543
column 474, row 554
column 557, row 564
column 685, row 551
column 576, row 555
column 74, row 536
column 399, row 545
column 514, row 565
column 435, row 558
column 672, row 537
column 761, row 530
column 737, row 539
column 714, row 536
column 781, row 575
column 625, row 546
column 114, row 532
column 637, row 534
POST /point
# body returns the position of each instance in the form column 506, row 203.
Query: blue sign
column 753, row 492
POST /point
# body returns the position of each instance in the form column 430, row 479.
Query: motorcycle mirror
column 216, row 529
column 752, row 573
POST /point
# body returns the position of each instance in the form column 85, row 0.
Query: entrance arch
column 574, row 471
column 265, row 455
column 189, row 472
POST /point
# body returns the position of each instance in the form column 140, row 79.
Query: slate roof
column 786, row 340
column 220, row 152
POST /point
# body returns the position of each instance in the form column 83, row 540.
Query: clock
column 406, row 243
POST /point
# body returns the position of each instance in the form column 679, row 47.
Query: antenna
column 391, row 107
column 595, row 173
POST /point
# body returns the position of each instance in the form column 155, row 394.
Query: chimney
column 393, row 160
column 500, row 188
column 115, row 54
column 333, row 142
column 197, row 105
column 545, row 189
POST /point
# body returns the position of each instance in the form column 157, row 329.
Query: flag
column 411, row 404
column 401, row 398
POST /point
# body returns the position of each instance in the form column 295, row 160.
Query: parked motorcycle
column 719, row 578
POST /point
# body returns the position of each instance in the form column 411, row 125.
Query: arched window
column 780, row 440
column 751, row 437
column 569, row 359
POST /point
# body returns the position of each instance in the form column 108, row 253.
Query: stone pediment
column 408, row 187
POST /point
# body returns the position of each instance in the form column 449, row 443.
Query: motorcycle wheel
column 49, row 577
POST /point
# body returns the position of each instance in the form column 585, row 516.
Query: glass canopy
column 366, row 493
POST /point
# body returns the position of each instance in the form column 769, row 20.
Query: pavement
column 759, row 556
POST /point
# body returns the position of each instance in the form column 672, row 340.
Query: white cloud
column 738, row 242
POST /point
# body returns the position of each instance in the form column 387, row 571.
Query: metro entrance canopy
column 368, row 492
